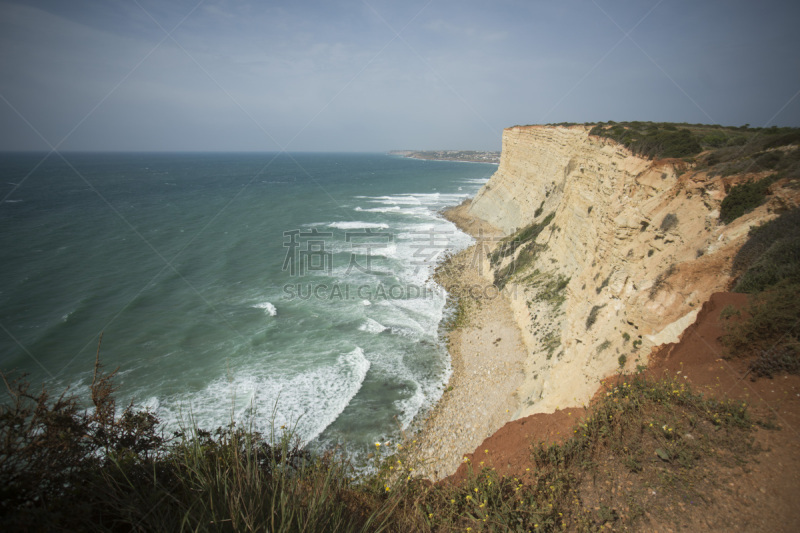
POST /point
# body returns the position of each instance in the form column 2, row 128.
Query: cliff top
column 708, row 145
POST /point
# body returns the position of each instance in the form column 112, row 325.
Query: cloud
column 335, row 75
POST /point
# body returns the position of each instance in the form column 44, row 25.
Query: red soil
column 760, row 496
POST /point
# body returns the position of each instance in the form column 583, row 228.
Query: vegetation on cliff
column 721, row 151
column 743, row 198
column 724, row 144
column 524, row 239
column 770, row 256
column 651, row 139
column 768, row 267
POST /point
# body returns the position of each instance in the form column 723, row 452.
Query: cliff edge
column 606, row 254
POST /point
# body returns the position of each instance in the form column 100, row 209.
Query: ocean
column 276, row 290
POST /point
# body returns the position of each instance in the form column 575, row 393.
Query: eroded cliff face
column 631, row 252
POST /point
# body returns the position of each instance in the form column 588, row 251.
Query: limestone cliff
column 631, row 249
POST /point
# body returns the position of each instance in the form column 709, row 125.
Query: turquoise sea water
column 234, row 285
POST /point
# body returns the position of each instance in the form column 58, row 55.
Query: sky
column 377, row 75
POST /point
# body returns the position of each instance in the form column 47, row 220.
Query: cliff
column 614, row 254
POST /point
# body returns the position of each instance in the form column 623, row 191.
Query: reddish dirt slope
column 760, row 496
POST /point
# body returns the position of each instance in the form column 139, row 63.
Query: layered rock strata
column 631, row 249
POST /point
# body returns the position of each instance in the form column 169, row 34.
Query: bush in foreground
column 650, row 433
column 67, row 468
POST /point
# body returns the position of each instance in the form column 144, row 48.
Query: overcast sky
column 375, row 75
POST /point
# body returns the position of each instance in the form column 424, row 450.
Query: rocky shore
column 487, row 356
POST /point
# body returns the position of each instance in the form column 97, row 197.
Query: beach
column 487, row 357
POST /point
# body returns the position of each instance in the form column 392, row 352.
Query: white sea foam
column 427, row 201
column 372, row 326
column 357, row 225
column 417, row 212
column 417, row 317
column 395, row 200
column 392, row 209
column 267, row 307
column 384, row 250
column 307, row 402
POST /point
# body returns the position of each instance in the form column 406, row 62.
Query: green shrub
column 770, row 255
column 510, row 244
column 538, row 210
column 780, row 262
column 652, row 140
column 551, row 342
column 729, row 311
column 592, row 318
column 743, row 198
column 767, row 160
column 771, row 332
column 715, row 139
column 551, row 287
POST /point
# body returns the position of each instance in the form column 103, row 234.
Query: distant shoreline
column 462, row 156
